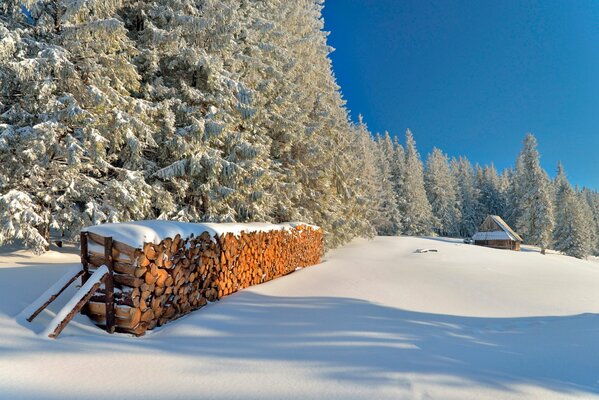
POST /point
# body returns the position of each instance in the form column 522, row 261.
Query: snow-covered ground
column 375, row 320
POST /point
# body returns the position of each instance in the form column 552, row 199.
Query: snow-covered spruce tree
column 572, row 234
column 369, row 174
column 416, row 212
column 212, row 153
column 388, row 222
column 592, row 199
column 398, row 162
column 491, row 194
column 316, row 155
column 533, row 197
column 72, row 137
column 441, row 189
column 468, row 196
column 588, row 218
column 512, row 211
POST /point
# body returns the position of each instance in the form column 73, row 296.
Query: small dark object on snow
column 426, row 251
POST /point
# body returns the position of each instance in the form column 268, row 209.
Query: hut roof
column 503, row 231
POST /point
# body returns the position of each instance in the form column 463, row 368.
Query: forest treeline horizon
column 228, row 111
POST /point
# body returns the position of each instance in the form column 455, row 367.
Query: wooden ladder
column 90, row 284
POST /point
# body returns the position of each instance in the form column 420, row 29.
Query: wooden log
column 161, row 278
column 140, row 271
column 125, row 301
column 121, row 324
column 147, row 315
column 149, row 250
column 115, row 258
column 130, row 251
column 127, row 280
column 118, row 266
column 140, row 329
column 121, row 311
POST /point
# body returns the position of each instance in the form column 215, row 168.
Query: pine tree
column 441, row 192
column 592, row 200
column 416, row 212
column 491, row 193
column 533, row 195
column 572, row 234
column 468, row 196
column 481, row 210
column 512, row 210
column 398, row 162
column 72, row 135
column 388, row 222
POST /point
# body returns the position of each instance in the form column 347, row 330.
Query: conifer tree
column 441, row 192
column 592, row 200
column 512, row 211
column 370, row 174
column 72, row 135
column 533, row 197
column 388, row 222
column 572, row 234
column 416, row 212
column 468, row 196
column 492, row 197
column 398, row 162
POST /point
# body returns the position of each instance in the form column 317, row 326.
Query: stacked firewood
column 161, row 282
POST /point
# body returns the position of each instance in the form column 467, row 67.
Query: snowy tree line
column 227, row 110
column 194, row 110
column 451, row 197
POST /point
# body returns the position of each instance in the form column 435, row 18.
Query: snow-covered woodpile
column 180, row 266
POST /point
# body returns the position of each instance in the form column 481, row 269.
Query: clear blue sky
column 473, row 77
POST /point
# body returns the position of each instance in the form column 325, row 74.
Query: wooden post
column 84, row 257
column 109, row 285
column 83, row 238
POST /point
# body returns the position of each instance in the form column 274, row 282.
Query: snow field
column 374, row 320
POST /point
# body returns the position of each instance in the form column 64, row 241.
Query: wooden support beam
column 83, row 239
column 54, row 334
column 84, row 257
column 109, row 285
column 81, row 298
column 56, row 292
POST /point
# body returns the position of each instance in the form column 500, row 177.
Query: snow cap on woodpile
column 136, row 233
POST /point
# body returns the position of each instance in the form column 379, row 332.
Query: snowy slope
column 375, row 320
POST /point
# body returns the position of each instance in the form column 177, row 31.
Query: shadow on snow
column 357, row 341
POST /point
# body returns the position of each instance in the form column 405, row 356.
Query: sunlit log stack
column 157, row 283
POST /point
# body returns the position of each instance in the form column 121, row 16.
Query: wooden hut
column 495, row 232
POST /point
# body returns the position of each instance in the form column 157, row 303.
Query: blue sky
column 473, row 77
